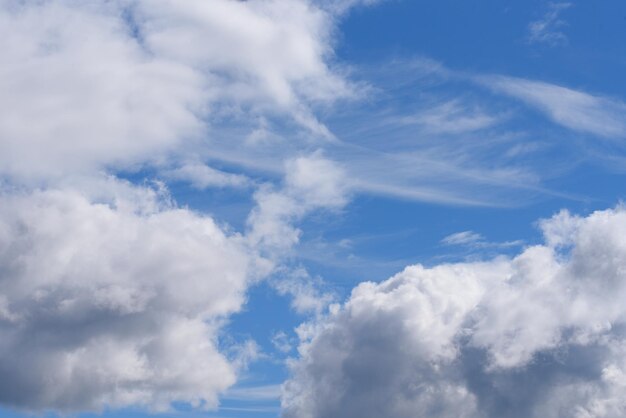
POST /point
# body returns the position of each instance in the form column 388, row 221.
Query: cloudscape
column 312, row 209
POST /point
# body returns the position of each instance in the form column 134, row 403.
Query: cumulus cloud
column 118, row 296
column 538, row 335
column 114, row 303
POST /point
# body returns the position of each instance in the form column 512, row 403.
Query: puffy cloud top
column 113, row 304
column 539, row 335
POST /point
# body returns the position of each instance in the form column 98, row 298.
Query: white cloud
column 546, row 30
column 475, row 240
column 79, row 103
column 111, row 295
column 462, row 238
column 317, row 181
column 307, row 293
column 572, row 109
column 281, row 342
column 142, row 79
column 451, row 117
column 118, row 295
column 114, row 303
column 311, row 183
column 539, row 335
column 276, row 52
column 201, row 176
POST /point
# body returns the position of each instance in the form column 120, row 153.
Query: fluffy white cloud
column 278, row 47
column 311, row 182
column 539, row 335
column 94, row 85
column 114, row 303
column 83, row 102
column 317, row 181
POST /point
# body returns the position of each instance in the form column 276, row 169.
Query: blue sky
column 312, row 209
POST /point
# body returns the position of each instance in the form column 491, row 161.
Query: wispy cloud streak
column 546, row 30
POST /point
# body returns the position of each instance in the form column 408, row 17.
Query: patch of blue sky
column 492, row 36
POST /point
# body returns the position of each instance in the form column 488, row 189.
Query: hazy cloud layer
column 539, row 335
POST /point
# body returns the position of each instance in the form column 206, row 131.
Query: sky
column 312, row 209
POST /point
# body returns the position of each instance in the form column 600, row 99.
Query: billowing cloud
column 538, row 335
column 114, row 303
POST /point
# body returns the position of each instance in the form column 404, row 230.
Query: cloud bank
column 538, row 335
